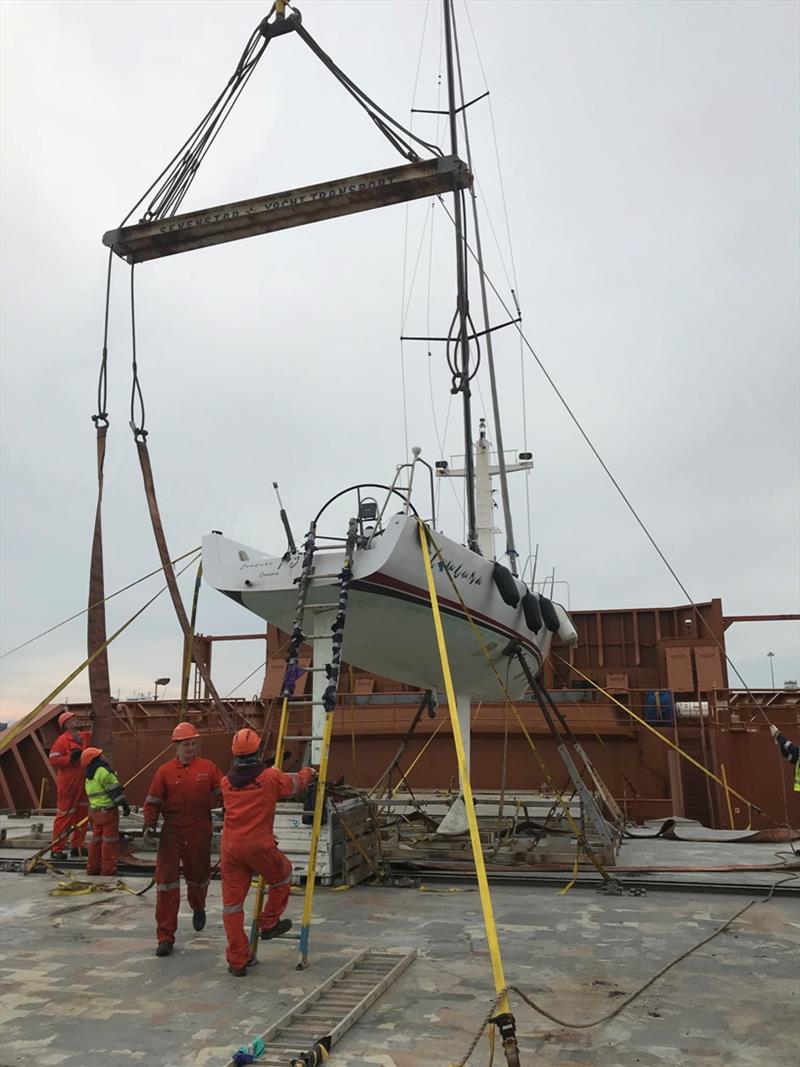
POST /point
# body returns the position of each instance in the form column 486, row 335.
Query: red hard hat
column 89, row 754
column 184, row 731
column 64, row 717
column 245, row 742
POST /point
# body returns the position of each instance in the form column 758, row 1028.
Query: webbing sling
column 174, row 592
column 99, row 684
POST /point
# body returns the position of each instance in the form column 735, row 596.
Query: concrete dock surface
column 81, row 984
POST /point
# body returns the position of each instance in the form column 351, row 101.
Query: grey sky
column 649, row 157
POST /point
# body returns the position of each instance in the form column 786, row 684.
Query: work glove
column 74, row 756
column 774, row 730
column 149, row 835
column 126, row 808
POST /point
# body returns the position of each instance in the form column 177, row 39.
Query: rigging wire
column 136, row 389
column 389, row 127
column 496, row 149
column 110, row 596
column 405, row 240
column 101, row 418
column 640, row 522
column 239, row 685
column 185, row 158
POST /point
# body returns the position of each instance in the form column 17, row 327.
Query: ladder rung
column 321, row 607
column 297, row 737
column 311, row 669
column 306, row 704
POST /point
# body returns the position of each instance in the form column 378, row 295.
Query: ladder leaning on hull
column 328, row 702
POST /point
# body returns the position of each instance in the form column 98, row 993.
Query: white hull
column 389, row 626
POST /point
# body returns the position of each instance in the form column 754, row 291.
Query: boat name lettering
column 274, row 205
column 456, row 570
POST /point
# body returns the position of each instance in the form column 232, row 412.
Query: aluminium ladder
column 328, row 702
column 330, row 1010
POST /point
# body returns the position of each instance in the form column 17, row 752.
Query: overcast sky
column 649, row 160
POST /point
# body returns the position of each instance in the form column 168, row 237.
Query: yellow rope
column 404, row 776
column 12, row 732
column 661, row 737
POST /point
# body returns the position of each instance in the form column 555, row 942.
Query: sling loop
column 99, row 684
column 169, row 573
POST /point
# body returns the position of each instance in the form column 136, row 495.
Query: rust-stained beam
column 291, row 207
column 26, row 778
column 235, row 637
column 729, row 620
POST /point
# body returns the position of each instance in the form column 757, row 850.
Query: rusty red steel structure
column 651, row 660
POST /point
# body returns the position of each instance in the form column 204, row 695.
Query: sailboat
column 490, row 617
column 488, row 613
column 389, row 624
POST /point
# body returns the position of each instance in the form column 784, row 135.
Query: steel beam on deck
column 291, row 207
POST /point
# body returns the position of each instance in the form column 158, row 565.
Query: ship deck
column 81, row 983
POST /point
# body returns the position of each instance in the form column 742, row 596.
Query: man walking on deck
column 71, row 803
column 250, row 793
column 183, row 792
column 106, row 797
column 788, row 751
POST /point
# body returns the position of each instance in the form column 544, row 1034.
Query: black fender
column 549, row 616
column 506, row 584
column 532, row 612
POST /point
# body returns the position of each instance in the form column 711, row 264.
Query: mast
column 462, row 309
column 511, row 550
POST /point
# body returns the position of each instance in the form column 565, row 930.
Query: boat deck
column 81, row 983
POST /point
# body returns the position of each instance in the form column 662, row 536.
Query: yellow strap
column 316, row 826
column 469, row 803
column 727, row 796
column 76, row 888
column 353, row 718
column 661, row 737
column 563, row 892
column 187, row 660
column 258, row 902
column 559, row 794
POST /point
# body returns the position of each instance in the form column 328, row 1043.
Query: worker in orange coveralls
column 250, row 792
column 72, row 805
column 183, row 792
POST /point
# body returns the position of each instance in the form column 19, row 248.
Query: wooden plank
column 290, row 207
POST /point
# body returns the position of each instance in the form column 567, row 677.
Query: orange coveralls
column 72, row 804
column 184, row 796
column 249, row 846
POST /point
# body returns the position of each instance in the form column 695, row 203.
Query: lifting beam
column 283, row 210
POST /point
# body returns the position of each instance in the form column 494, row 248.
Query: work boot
column 164, row 948
column 76, row 853
column 241, row 972
column 199, row 918
column 280, row 927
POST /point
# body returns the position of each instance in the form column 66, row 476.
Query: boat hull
column 389, row 629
